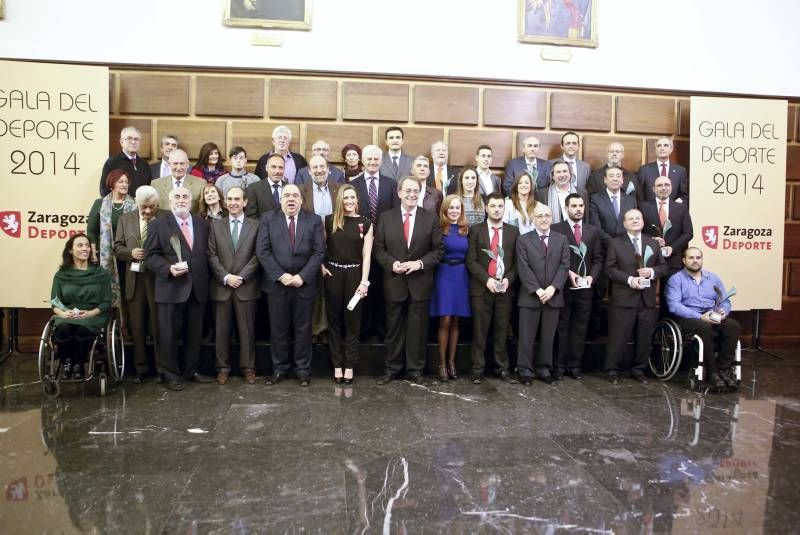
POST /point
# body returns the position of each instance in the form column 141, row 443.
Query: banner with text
column 737, row 194
column 53, row 143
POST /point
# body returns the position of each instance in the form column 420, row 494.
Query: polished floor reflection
column 584, row 456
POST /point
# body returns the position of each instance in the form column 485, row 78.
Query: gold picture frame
column 558, row 22
column 284, row 14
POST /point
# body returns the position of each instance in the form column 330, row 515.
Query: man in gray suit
column 488, row 182
column 178, row 178
column 234, row 284
column 570, row 143
column 530, row 163
column 542, row 268
column 395, row 164
column 320, row 148
column 161, row 167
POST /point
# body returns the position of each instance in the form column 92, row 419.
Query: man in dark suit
column 292, row 161
column 491, row 287
column 607, row 207
column 319, row 193
column 633, row 264
column 663, row 167
column 573, row 319
column 630, row 182
column 429, row 198
column 290, row 250
column 679, row 229
column 234, row 284
column 555, row 194
column 530, row 163
column 265, row 195
column 161, row 167
column 488, row 182
column 136, row 168
column 542, row 266
column 570, row 143
column 395, row 164
column 139, row 281
column 442, row 175
column 320, row 148
column 176, row 249
column 408, row 246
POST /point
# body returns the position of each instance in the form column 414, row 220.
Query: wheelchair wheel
column 115, row 349
column 51, row 388
column 103, row 379
column 48, row 367
column 667, row 350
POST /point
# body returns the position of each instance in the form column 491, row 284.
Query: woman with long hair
column 470, row 194
column 520, row 205
column 351, row 153
column 450, row 298
column 348, row 251
column 210, row 163
column 212, row 205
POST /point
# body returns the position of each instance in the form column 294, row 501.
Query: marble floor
column 583, row 457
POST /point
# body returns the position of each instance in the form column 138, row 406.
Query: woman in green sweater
column 81, row 298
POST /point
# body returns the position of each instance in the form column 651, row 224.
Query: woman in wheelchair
column 84, row 290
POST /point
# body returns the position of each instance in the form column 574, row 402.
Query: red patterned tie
column 407, row 226
column 494, row 246
column 663, row 169
column 577, row 230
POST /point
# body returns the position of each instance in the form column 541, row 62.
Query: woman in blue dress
column 451, row 284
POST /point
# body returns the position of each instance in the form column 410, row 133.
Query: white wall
column 735, row 46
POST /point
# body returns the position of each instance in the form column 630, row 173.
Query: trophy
column 630, row 189
column 137, row 266
column 351, row 305
column 499, row 264
column 175, row 242
column 57, row 303
column 581, row 281
column 716, row 313
column 642, row 262
column 657, row 232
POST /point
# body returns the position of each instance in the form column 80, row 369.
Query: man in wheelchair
column 701, row 306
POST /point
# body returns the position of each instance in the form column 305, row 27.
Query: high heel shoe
column 451, row 372
column 348, row 380
column 337, row 375
column 442, row 376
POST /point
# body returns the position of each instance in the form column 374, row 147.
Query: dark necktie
column 276, row 195
column 178, row 183
column 291, row 232
column 543, row 237
column 235, row 234
column 373, row 201
column 636, row 244
column 394, row 163
column 615, row 204
column 133, row 161
column 663, row 169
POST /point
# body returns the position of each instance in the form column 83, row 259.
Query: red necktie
column 663, row 169
column 494, row 245
column 407, row 226
column 186, row 233
column 577, row 230
column 291, row 231
column 662, row 212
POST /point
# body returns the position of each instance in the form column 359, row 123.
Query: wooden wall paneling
column 523, row 108
column 788, row 201
column 791, row 124
column 794, row 279
column 194, row 133
column 791, row 240
column 784, row 321
column 446, row 104
column 337, row 136
column 145, row 126
column 303, row 98
column 229, row 96
column 375, row 101
column 793, row 162
column 549, row 144
column 416, row 140
column 154, row 94
column 684, row 117
column 680, row 151
column 645, row 115
column 112, row 93
column 595, row 151
column 256, row 136
column 580, row 111
column 795, row 196
column 463, row 144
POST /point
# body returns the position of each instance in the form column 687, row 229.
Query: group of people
column 379, row 247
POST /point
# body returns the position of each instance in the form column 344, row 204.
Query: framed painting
column 558, row 22
column 285, row 14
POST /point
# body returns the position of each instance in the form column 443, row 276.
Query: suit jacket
column 621, row 264
column 159, row 256
column 432, row 201
column 596, row 182
column 387, row 194
column 334, row 175
column 519, row 165
column 601, row 213
column 543, row 196
column 127, row 238
column 307, row 193
column 155, row 170
column 477, row 260
column 223, row 260
column 590, row 235
column 403, row 166
column 582, row 171
column 496, row 186
column 138, row 177
column 649, row 172
column 449, row 179
column 390, row 246
column 260, row 199
column 537, row 269
column 261, row 165
column 276, row 256
column 678, row 236
column 163, row 186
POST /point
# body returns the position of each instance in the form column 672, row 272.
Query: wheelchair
column 668, row 347
column 106, row 358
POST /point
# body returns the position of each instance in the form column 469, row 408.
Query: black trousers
column 142, row 318
column 529, row 319
column 406, row 335
column 721, row 338
column 245, row 314
column 287, row 312
column 624, row 322
column 74, row 341
column 344, row 326
column 373, row 319
column 490, row 309
column 176, row 322
column 573, row 325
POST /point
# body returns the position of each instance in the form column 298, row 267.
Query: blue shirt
column 687, row 298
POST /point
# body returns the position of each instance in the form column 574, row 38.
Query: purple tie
column 373, row 200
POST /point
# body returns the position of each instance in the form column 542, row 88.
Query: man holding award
column 701, row 306
column 176, row 250
column 633, row 263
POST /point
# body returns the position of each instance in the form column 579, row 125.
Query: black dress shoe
column 575, row 373
column 388, row 378
column 612, row 378
column 716, row 381
column 506, row 377
column 305, row 380
column 347, row 381
column 639, row 378
column 415, row 378
column 77, row 372
column 198, row 377
column 549, row 379
column 526, row 380
column 177, row 386
column 476, row 379
column 139, row 379
column 558, row 375
column 275, row 378
column 729, row 377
